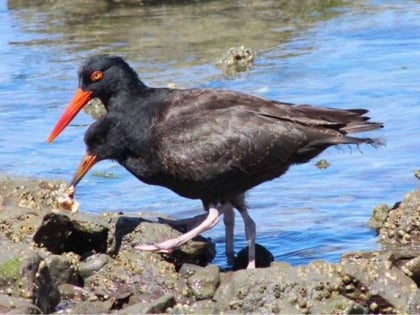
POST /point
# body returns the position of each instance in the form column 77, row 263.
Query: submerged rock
column 237, row 59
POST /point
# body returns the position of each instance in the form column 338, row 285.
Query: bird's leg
column 250, row 235
column 168, row 246
column 229, row 221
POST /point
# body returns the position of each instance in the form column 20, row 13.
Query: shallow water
column 345, row 54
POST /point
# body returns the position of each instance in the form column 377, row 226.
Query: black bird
column 205, row 144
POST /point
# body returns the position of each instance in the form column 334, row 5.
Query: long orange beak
column 85, row 165
column 80, row 99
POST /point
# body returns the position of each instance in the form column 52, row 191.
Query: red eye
column 96, row 76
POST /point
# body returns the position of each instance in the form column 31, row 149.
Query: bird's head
column 100, row 76
column 105, row 139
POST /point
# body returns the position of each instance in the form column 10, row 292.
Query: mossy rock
column 10, row 271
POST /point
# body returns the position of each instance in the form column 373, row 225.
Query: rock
column 159, row 305
column 130, row 231
column 64, row 268
column 59, row 234
column 47, row 295
column 315, row 288
column 256, row 291
column 187, row 270
column 92, row 264
column 70, row 292
column 10, row 271
column 86, row 279
column 92, row 307
column 402, row 226
column 379, row 215
column 237, row 59
column 412, row 269
column 28, row 269
column 375, row 282
column 15, row 305
column 38, row 284
column 322, row 164
column 204, row 282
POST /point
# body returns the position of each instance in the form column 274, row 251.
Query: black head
column 106, row 138
column 106, row 76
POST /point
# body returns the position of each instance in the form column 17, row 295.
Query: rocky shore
column 53, row 261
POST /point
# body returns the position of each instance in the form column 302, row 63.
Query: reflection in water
column 184, row 33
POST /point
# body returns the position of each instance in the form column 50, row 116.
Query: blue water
column 360, row 54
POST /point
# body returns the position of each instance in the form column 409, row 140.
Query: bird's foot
column 153, row 248
column 251, row 264
column 168, row 246
column 162, row 247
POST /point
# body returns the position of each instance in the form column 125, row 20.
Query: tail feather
column 361, row 126
column 344, row 120
column 375, row 142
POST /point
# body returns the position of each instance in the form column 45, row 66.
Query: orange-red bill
column 80, row 99
column 85, row 165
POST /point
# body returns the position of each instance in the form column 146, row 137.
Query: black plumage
column 206, row 144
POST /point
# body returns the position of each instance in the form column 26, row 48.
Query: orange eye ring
column 96, row 75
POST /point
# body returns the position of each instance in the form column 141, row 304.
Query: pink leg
column 229, row 221
column 168, row 246
column 250, row 235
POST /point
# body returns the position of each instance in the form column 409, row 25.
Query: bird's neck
column 126, row 97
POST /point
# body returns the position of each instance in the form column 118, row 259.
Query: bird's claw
column 154, row 248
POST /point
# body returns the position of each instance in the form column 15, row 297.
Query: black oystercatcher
column 205, row 144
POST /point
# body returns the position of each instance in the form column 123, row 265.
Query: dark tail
column 345, row 122
column 374, row 142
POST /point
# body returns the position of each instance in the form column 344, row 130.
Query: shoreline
column 55, row 261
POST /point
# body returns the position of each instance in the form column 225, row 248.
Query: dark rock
column 131, row 231
column 37, row 282
column 92, row 264
column 70, row 292
column 28, row 270
column 59, row 234
column 263, row 258
column 159, row 305
column 47, row 295
column 412, row 269
column 63, row 269
column 92, row 307
column 15, row 305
